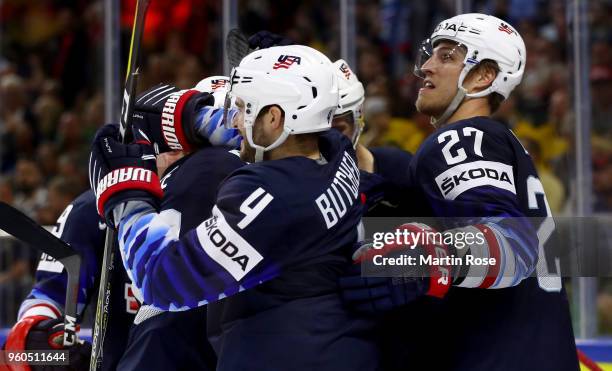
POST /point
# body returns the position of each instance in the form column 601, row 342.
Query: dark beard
column 247, row 153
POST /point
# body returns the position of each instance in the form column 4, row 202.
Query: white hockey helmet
column 297, row 78
column 352, row 96
column 218, row 86
column 484, row 37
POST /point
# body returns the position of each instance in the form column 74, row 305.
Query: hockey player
column 281, row 231
column 381, row 183
column 40, row 323
column 177, row 340
column 497, row 316
column 153, row 344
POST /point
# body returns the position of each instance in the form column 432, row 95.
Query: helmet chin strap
column 452, row 107
column 461, row 94
column 259, row 150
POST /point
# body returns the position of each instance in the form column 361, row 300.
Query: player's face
column 441, row 73
column 166, row 159
column 345, row 124
column 247, row 153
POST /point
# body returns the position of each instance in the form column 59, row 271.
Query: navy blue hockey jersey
column 177, row 340
column 80, row 226
column 388, row 198
column 280, row 234
column 504, row 319
column 190, row 187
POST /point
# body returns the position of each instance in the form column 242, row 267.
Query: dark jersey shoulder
column 389, row 184
column 468, row 168
column 477, row 168
column 304, row 222
column 190, row 185
column 80, row 226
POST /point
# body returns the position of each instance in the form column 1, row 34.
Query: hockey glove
column 41, row 332
column 121, row 172
column 384, row 290
column 267, row 39
column 182, row 120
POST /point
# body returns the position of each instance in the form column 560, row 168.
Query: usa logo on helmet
column 505, row 28
column 218, row 84
column 345, row 70
column 286, row 61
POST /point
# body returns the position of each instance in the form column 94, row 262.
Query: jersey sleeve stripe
column 493, row 270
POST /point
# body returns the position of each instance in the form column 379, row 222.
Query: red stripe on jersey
column 494, row 252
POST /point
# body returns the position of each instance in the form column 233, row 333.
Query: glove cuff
column 42, row 309
column 439, row 276
column 16, row 339
column 175, row 131
column 123, row 179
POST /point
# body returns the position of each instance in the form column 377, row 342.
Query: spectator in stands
column 30, row 194
column 601, row 85
column 61, row 191
column 6, row 189
column 15, row 133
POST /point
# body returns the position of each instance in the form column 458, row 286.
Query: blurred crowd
column 51, row 82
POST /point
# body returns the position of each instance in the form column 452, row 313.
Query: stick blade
column 14, row 222
column 237, row 47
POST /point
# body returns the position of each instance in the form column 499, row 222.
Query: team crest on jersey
column 286, row 61
column 345, row 70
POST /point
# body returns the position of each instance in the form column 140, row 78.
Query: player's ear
column 481, row 77
column 487, row 75
column 276, row 116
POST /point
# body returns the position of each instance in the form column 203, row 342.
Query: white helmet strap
column 452, row 107
column 461, row 94
column 259, row 150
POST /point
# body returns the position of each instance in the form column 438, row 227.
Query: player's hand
column 167, row 116
column 372, row 188
column 40, row 332
column 121, row 172
column 182, row 120
column 267, row 39
column 388, row 289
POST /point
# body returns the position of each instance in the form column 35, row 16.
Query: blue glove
column 121, row 172
column 209, row 124
column 267, row 39
column 171, row 119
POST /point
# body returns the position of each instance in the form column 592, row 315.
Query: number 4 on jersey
column 251, row 211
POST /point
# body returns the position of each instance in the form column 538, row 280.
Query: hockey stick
column 25, row 229
column 237, row 47
column 127, row 107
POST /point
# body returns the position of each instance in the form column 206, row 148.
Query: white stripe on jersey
column 226, row 247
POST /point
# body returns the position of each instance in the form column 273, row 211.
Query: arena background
column 62, row 63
